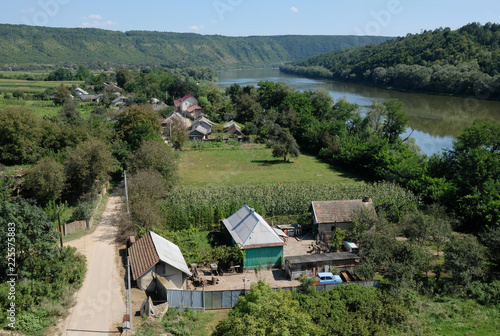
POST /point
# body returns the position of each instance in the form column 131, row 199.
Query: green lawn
column 252, row 164
column 457, row 317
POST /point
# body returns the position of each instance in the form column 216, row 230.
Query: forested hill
column 462, row 62
column 23, row 45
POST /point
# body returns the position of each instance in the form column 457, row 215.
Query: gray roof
column 169, row 253
column 322, row 257
column 250, row 230
column 149, row 250
column 200, row 129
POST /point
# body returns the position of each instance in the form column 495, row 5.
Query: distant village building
column 80, row 91
column 249, row 231
column 154, row 258
column 232, row 128
column 121, row 100
column 185, row 102
column 200, row 129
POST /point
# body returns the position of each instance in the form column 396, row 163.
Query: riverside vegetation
column 443, row 61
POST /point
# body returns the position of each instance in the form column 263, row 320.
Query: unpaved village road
column 100, row 304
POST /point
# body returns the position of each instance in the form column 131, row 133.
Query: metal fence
column 201, row 300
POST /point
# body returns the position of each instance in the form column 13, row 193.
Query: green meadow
column 252, row 164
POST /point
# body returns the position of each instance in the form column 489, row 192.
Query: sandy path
column 100, row 305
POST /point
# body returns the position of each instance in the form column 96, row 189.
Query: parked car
column 328, row 278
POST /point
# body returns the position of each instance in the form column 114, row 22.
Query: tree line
column 460, row 62
column 47, row 47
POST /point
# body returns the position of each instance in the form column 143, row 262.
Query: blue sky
column 254, row 17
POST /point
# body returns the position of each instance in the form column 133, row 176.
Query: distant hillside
column 26, row 45
column 462, row 62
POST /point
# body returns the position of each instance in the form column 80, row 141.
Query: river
column 435, row 120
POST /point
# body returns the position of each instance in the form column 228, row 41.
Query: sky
column 254, row 17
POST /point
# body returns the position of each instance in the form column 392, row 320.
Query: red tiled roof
column 179, row 101
column 337, row 211
column 143, row 256
column 193, row 108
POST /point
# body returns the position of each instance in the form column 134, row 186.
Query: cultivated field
column 252, row 164
column 28, row 86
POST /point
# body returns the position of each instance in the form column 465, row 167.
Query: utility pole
column 129, row 294
column 60, row 228
column 126, row 189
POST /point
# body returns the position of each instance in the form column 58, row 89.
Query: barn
column 262, row 245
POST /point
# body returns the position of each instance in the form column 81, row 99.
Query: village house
column 249, row 231
column 232, row 128
column 80, row 91
column 121, row 100
column 328, row 215
column 200, row 129
column 185, row 102
column 155, row 259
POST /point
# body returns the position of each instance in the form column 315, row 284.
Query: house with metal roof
column 251, row 232
column 328, row 215
column 154, row 258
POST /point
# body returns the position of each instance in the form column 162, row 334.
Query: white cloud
column 195, row 27
column 294, row 9
column 95, row 16
column 98, row 24
column 213, row 21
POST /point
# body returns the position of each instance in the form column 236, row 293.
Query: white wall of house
column 188, row 103
column 146, row 282
column 170, row 277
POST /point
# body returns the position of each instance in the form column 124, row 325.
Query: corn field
column 204, row 208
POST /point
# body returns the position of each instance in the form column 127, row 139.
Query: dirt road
column 100, row 303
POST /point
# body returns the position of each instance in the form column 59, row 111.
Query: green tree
column 146, row 189
column 70, row 113
column 45, row 180
column 338, row 238
column 88, row 167
column 34, row 235
column 265, row 312
column 123, row 76
column 137, row 123
column 155, row 155
column 61, row 95
column 83, row 73
column 284, row 145
column 21, row 132
column 396, row 120
column 464, row 259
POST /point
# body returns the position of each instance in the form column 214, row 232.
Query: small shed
column 253, row 234
column 154, row 258
column 314, row 263
column 327, row 215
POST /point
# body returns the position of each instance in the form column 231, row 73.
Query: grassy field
column 43, row 108
column 252, row 164
column 454, row 318
column 28, row 86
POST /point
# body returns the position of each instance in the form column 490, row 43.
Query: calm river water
column 436, row 120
